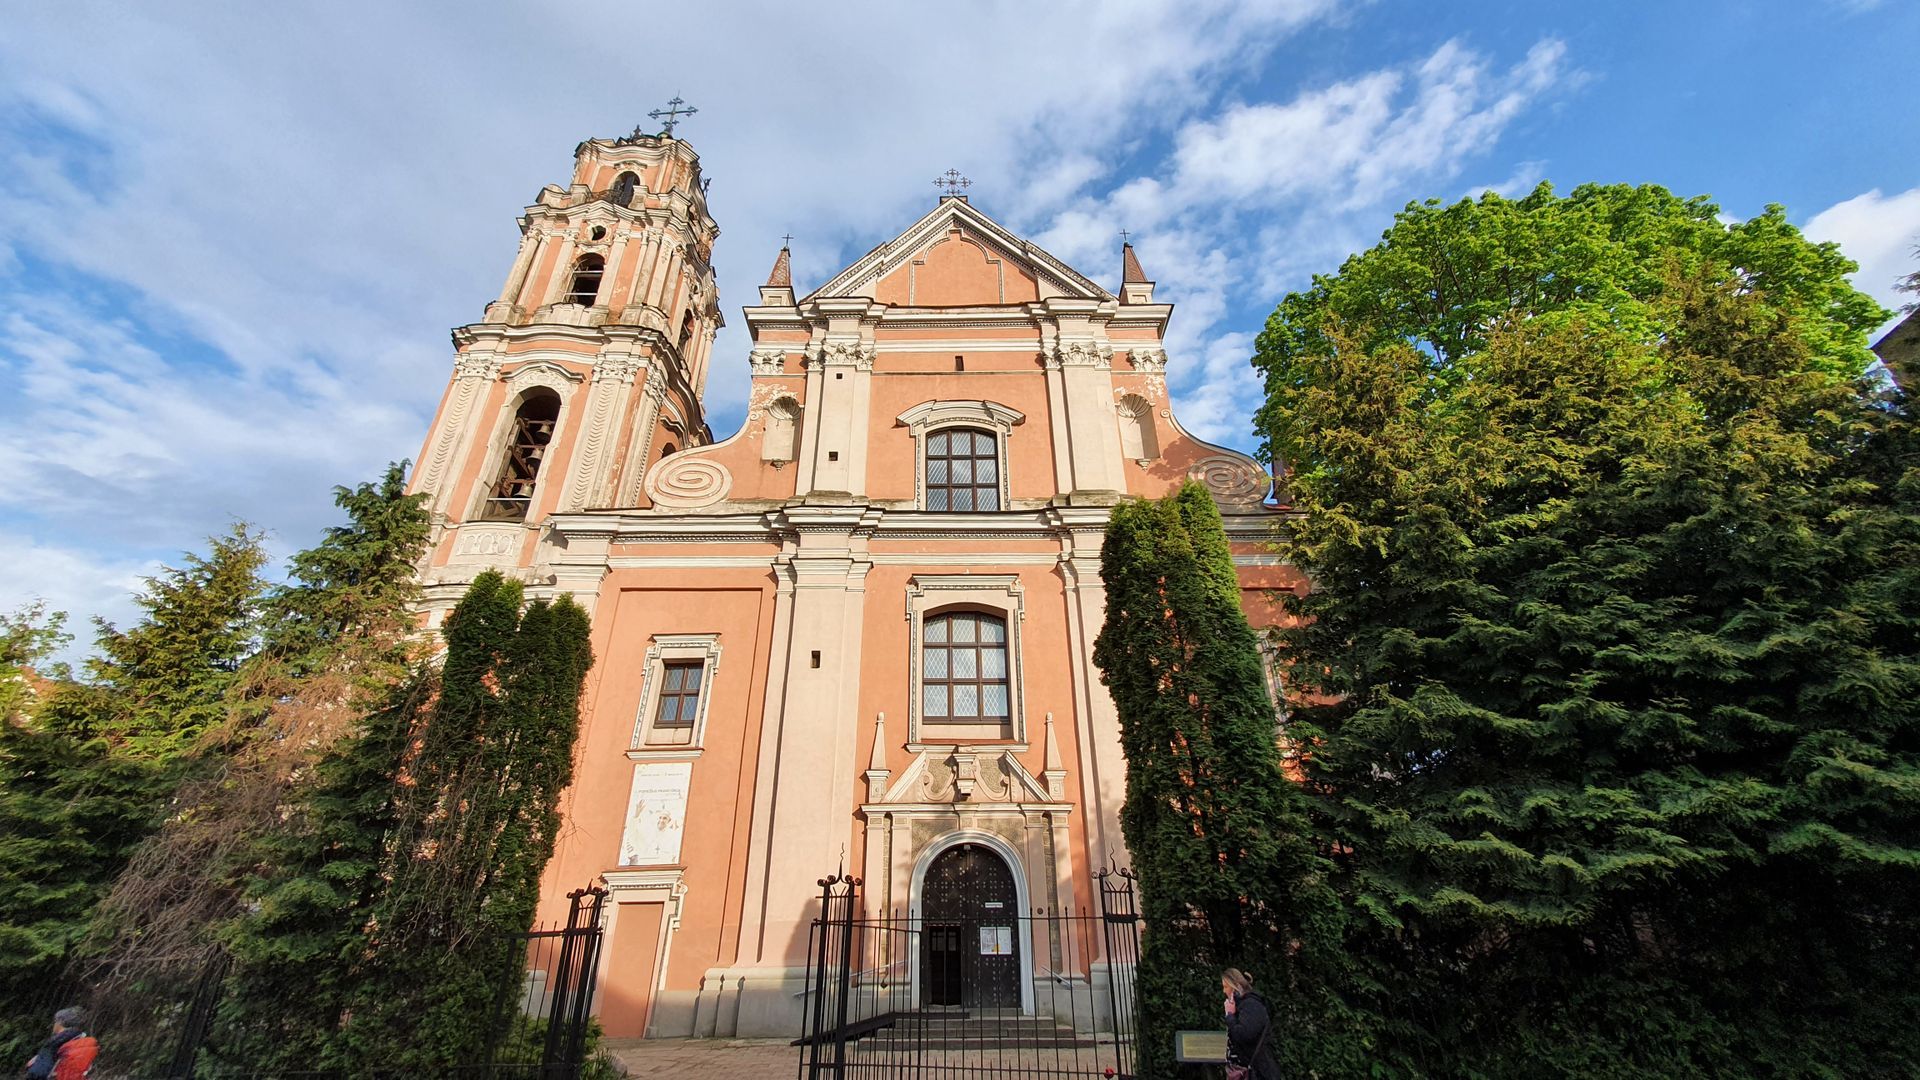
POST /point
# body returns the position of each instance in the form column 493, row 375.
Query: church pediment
column 966, row 774
column 956, row 256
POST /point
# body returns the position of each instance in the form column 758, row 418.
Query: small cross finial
column 786, row 240
column 951, row 182
column 1125, row 236
column 673, row 112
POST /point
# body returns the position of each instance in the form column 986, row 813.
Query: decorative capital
column 1149, row 359
column 858, row 354
column 616, row 369
column 767, row 361
column 1080, row 354
column 486, row 366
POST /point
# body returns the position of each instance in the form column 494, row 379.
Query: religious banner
column 656, row 813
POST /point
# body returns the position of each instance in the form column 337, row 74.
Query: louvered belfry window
column 586, row 280
column 963, row 470
column 527, row 444
column 963, row 667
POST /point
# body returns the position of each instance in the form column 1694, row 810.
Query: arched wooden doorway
column 970, row 930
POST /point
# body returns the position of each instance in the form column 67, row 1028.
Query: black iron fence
column 981, row 992
column 538, row 1023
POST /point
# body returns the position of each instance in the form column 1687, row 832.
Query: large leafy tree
column 1610, row 665
column 1229, row 876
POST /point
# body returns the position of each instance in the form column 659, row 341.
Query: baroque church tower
column 858, row 632
column 588, row 368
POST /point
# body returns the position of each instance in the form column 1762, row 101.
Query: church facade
column 858, row 632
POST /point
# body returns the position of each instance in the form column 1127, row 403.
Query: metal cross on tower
column 951, row 182
column 1125, row 236
column 786, row 239
column 673, row 112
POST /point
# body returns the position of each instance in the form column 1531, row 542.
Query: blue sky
column 233, row 238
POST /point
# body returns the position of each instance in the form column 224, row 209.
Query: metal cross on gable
column 673, row 112
column 951, row 182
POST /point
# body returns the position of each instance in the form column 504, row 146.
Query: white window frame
column 937, row 594
column 930, row 417
column 664, row 649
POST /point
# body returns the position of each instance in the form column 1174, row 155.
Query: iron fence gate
column 961, row 987
column 537, row 1022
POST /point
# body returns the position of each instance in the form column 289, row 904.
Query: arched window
column 1137, row 438
column 623, row 189
column 783, row 422
column 512, row 494
column 587, row 272
column 686, row 332
column 963, row 470
column 963, row 668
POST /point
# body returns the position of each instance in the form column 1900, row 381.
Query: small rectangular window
column 679, row 694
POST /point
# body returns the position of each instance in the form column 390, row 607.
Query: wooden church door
column 970, row 931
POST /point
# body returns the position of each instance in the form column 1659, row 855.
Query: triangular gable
column 1000, row 246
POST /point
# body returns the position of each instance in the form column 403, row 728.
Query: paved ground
column 774, row 1059
column 696, row 1059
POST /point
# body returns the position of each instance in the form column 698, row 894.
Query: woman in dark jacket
column 1249, row 1026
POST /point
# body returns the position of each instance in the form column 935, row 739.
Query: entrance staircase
column 961, row 1029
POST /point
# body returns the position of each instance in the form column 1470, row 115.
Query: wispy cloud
column 234, row 241
column 1881, row 233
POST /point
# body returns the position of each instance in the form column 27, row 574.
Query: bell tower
column 586, row 370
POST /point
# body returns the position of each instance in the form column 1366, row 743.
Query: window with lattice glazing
column 679, row 705
column 963, row 668
column 527, row 443
column 963, row 470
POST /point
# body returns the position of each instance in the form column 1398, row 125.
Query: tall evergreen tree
column 1609, row 668
column 87, row 772
column 420, row 851
column 1228, row 872
column 334, row 640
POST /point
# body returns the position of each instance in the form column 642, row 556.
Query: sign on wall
column 996, row 941
column 656, row 813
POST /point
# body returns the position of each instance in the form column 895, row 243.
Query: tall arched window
column 624, row 186
column 587, row 271
column 1137, row 438
column 686, row 332
column 963, row 470
column 963, row 668
column 533, row 423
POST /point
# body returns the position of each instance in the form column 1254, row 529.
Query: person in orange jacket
column 69, row 1054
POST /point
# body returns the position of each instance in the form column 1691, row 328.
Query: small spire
column 877, row 760
column 1052, row 760
column 1130, row 272
column 782, row 275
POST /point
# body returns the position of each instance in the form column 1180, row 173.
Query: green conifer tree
column 1229, row 875
column 88, row 771
column 1609, row 668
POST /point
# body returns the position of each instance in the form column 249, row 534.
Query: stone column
column 441, row 464
column 590, row 470
column 808, row 757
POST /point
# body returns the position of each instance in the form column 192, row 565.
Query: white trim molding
column 668, row 647
column 929, row 417
column 998, row 594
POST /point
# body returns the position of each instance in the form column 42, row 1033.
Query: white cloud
column 1365, row 136
column 1880, row 232
column 289, row 206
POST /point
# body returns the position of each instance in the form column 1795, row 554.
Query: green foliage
column 1614, row 640
column 1218, row 835
column 87, row 767
column 417, row 855
column 334, row 640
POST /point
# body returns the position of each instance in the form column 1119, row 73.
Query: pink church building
column 858, row 631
